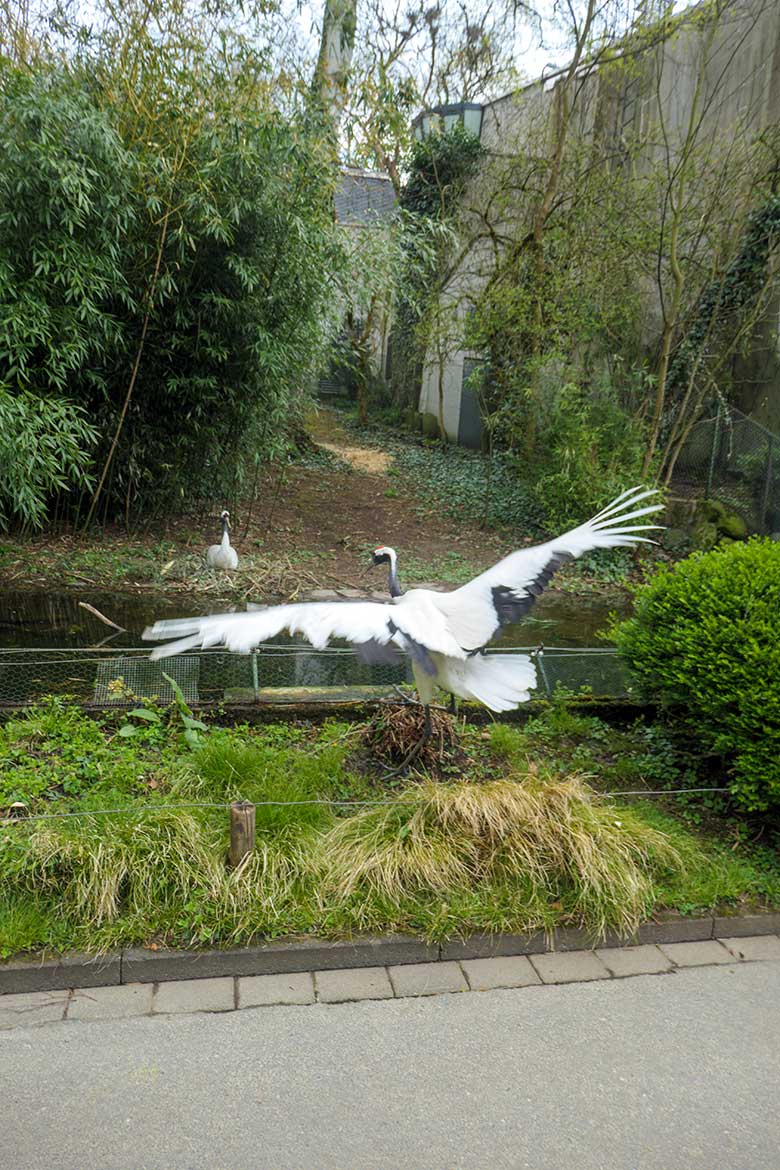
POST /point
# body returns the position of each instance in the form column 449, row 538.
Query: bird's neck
column 392, row 578
column 225, row 536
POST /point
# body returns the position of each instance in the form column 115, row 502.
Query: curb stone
column 225, row 994
column 64, row 972
column 144, row 966
column 138, row 965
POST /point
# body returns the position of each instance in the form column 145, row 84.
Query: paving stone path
column 228, row 993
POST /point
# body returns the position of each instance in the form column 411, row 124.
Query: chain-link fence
column 733, row 459
column 273, row 674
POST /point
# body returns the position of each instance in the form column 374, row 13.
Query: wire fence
column 732, row 458
column 20, row 816
column 273, row 674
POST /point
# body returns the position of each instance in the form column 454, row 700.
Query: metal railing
column 272, row 674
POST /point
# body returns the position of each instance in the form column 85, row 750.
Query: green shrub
column 44, row 449
column 706, row 640
column 589, row 449
column 179, row 248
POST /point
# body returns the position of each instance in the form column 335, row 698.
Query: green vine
column 735, row 294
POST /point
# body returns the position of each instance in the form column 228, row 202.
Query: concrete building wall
column 452, row 386
column 737, row 71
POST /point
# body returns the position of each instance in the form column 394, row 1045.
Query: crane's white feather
column 500, row 681
column 220, row 556
column 405, row 623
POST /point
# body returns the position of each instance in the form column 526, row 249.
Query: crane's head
column 384, row 556
column 225, row 518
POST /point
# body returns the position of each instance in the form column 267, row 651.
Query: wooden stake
column 242, row 830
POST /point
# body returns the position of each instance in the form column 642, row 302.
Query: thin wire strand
column 140, row 809
column 276, row 650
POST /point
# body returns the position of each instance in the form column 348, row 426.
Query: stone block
column 430, row 425
column 75, row 970
column 264, row 990
column 111, row 1003
column 195, row 995
column 31, row 1008
column 145, row 966
column 352, row 984
column 427, row 979
column 760, row 946
column 747, row 924
column 569, row 967
column 697, row 954
column 675, row 929
column 641, row 960
column 487, row 946
column 506, row 971
column 571, row 938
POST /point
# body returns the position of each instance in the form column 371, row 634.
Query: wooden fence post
column 242, row 830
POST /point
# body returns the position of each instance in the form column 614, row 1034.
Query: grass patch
column 54, row 752
column 522, row 840
column 544, row 842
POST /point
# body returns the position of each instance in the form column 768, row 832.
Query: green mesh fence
column 731, row 458
column 271, row 674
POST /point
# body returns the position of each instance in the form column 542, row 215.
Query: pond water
column 50, row 643
column 42, row 618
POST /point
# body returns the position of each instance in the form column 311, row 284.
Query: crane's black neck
column 392, row 578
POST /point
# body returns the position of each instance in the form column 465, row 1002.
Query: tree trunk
column 335, row 57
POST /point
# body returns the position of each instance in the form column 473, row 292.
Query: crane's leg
column 426, row 689
column 453, row 705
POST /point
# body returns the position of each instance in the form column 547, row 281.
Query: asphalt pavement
column 675, row 1071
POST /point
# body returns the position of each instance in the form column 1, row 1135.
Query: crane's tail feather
column 500, row 681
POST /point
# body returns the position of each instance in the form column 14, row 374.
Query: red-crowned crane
column 442, row 633
column 223, row 555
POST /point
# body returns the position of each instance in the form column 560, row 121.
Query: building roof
column 363, row 198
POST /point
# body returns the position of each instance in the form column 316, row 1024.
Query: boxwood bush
column 705, row 640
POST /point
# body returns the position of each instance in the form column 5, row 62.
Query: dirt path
column 311, row 528
column 362, row 458
column 326, row 431
column 334, row 518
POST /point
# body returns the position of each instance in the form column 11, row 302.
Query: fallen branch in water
column 102, row 617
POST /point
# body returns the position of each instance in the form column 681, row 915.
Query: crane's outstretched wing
column 506, row 592
column 364, row 623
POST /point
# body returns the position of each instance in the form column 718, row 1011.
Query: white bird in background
column 223, row 555
column 442, row 633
